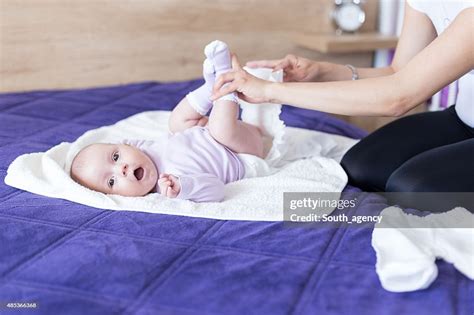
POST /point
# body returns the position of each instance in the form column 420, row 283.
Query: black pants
column 426, row 152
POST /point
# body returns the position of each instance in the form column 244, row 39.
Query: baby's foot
column 209, row 74
column 199, row 99
column 218, row 53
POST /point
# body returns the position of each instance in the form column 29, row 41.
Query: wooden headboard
column 51, row 44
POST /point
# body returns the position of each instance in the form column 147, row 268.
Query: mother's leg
column 370, row 162
column 448, row 168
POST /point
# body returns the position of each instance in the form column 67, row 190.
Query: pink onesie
column 202, row 165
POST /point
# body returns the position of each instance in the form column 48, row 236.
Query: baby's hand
column 169, row 185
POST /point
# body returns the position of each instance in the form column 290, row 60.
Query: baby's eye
column 115, row 156
column 111, row 182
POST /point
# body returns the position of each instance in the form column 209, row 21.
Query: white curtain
column 389, row 23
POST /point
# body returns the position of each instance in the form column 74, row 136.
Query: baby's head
column 118, row 169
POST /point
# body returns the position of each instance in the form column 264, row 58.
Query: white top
column 442, row 13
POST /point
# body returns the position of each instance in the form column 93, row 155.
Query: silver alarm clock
column 348, row 15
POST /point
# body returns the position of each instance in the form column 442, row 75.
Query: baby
column 194, row 162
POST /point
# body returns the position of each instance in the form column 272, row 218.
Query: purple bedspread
column 73, row 259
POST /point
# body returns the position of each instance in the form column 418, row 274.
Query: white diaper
column 266, row 117
column 284, row 145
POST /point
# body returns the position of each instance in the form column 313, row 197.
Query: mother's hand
column 295, row 69
column 248, row 87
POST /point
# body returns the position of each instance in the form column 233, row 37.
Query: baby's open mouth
column 138, row 173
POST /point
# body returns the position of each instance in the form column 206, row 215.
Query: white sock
column 218, row 53
column 199, row 99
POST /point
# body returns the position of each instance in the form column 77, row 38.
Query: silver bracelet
column 355, row 74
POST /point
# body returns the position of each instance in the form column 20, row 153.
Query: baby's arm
column 169, row 185
column 198, row 188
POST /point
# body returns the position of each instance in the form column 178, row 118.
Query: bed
column 73, row 259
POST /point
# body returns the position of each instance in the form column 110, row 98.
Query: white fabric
column 280, row 148
column 407, row 247
column 267, row 118
column 442, row 13
column 47, row 173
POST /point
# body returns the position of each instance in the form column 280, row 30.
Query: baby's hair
column 79, row 162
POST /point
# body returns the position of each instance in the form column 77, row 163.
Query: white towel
column 47, row 173
column 407, row 247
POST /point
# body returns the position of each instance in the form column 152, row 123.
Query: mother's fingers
column 235, row 62
column 221, row 80
column 263, row 63
column 282, row 65
column 229, row 88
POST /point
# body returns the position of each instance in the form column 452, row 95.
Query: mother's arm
column 444, row 60
column 417, row 32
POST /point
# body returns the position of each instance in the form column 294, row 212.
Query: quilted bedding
column 72, row 259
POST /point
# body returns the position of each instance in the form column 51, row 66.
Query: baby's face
column 116, row 169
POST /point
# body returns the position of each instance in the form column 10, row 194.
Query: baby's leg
column 192, row 109
column 184, row 116
column 237, row 135
column 224, row 125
